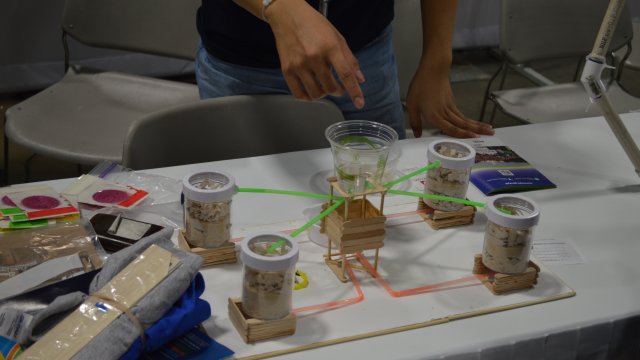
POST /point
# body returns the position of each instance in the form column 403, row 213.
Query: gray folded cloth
column 45, row 319
column 116, row 338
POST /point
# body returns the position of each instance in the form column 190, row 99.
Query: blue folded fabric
column 186, row 313
column 194, row 345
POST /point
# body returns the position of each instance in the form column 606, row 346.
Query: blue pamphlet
column 499, row 169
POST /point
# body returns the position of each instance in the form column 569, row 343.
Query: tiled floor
column 471, row 71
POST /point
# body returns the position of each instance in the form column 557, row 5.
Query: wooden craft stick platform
column 353, row 229
column 225, row 254
column 438, row 219
column 252, row 330
column 500, row 283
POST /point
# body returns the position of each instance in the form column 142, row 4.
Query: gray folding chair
column 227, row 128
column 85, row 117
column 535, row 30
column 630, row 61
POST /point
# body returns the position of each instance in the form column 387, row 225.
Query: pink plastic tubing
column 338, row 303
column 418, row 290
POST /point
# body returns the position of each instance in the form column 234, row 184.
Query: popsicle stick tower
column 355, row 226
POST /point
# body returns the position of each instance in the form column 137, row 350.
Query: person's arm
column 309, row 47
column 430, row 97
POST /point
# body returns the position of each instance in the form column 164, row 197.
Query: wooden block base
column 500, row 283
column 225, row 254
column 252, row 330
column 438, row 219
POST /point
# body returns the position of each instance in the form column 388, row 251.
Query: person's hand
column 430, row 98
column 309, row 48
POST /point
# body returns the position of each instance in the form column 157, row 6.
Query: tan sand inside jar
column 207, row 225
column 506, row 250
column 442, row 181
column 267, row 295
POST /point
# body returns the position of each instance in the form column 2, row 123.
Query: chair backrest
column 227, row 128
column 159, row 27
column 533, row 30
column 407, row 41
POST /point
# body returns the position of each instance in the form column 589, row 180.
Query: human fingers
column 348, row 71
column 295, row 85
column 311, row 86
column 328, row 82
column 415, row 120
column 301, row 81
column 452, row 125
column 475, row 126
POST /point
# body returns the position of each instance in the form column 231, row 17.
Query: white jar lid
column 452, row 162
column 269, row 263
column 209, row 186
column 524, row 212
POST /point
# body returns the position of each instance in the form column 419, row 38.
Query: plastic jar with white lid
column 267, row 284
column 508, row 234
column 451, row 178
column 207, row 208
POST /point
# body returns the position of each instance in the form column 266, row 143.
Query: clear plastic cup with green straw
column 360, row 149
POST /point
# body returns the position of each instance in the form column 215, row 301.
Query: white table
column 596, row 205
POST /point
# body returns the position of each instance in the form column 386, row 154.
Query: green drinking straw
column 287, row 192
column 304, row 227
column 439, row 197
column 317, row 218
column 390, row 184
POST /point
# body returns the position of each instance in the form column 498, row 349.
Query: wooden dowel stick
column 375, row 260
column 346, row 209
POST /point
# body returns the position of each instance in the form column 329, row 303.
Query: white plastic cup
column 508, row 234
column 451, row 178
column 313, row 232
column 360, row 149
column 267, row 284
column 207, row 208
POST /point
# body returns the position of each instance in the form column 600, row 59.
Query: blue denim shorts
column 381, row 91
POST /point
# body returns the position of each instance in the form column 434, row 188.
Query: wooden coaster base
column 225, row 254
column 500, row 283
column 252, row 330
column 438, row 219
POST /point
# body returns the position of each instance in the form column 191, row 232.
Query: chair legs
column 487, row 93
column 5, row 175
column 27, row 165
column 27, row 168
